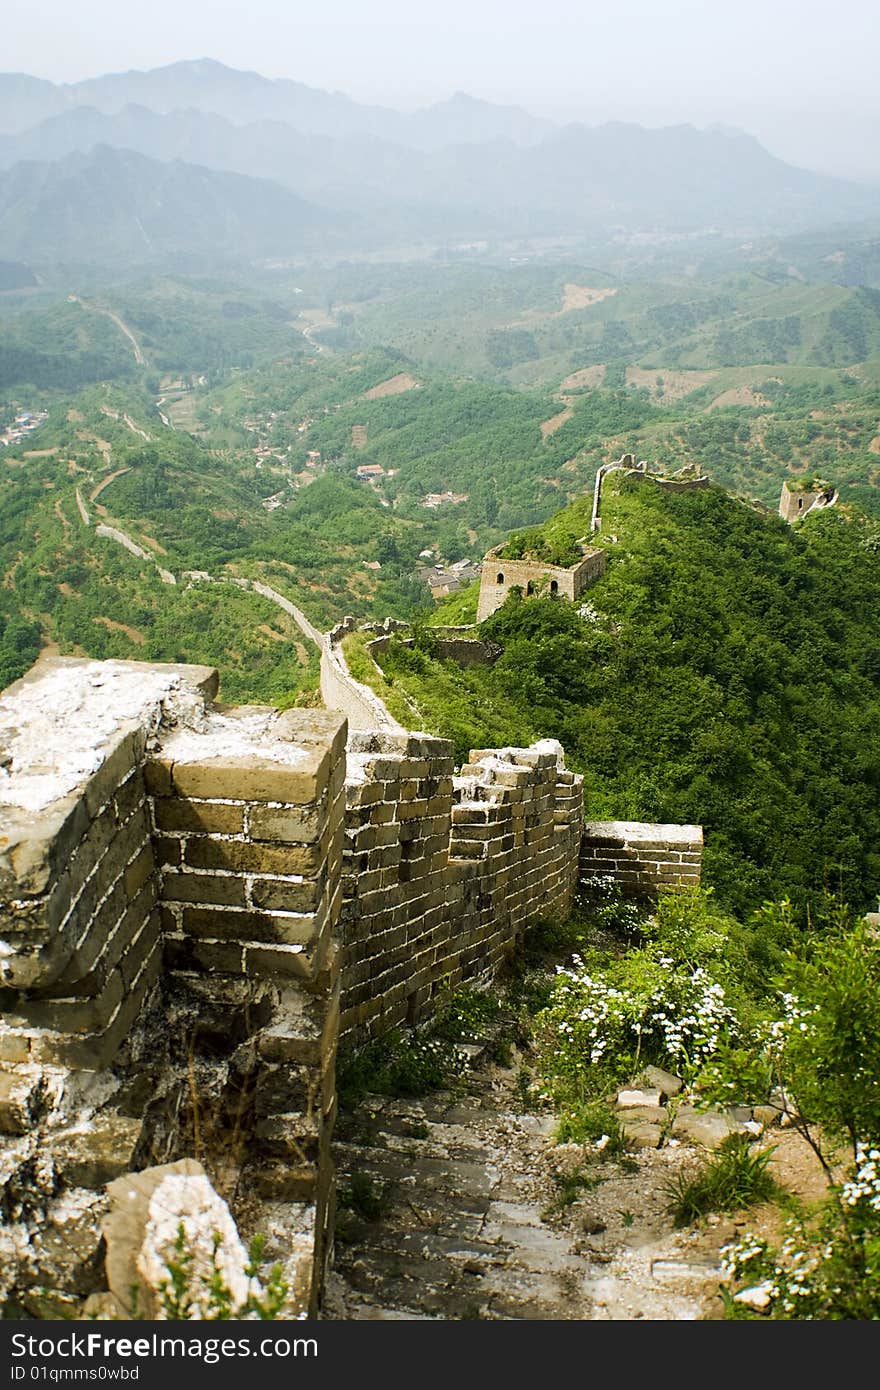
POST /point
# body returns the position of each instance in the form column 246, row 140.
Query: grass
column 591, row 1122
column 457, row 610
column 363, row 668
column 367, row 1198
column 404, row 1064
column 736, row 1175
column 412, row 1063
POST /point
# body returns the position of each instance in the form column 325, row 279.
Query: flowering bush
column 643, row 1008
column 600, row 898
column 830, row 1270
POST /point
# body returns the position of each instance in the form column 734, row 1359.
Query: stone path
column 465, row 1232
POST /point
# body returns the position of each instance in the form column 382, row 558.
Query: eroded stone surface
column 141, row 1228
column 470, row 1223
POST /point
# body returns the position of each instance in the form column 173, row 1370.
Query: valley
column 574, row 929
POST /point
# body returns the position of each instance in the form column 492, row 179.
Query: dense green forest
column 726, row 668
column 724, row 671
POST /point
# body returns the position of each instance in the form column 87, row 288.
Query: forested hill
column 725, row 671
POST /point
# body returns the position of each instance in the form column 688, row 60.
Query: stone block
column 218, row 889
column 296, row 825
column 188, row 953
column 249, row 925
column 253, row 779
column 706, row 1127
column 94, row 1156
column 241, row 856
column 198, row 817
column 138, row 871
column 277, row 895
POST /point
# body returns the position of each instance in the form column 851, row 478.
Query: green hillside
column 725, row 671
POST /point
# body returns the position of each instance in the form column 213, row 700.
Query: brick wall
column 196, row 902
column 443, row 873
column 250, row 849
column 171, row 884
column 643, row 859
column 499, row 576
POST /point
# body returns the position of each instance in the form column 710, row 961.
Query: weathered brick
column 198, row 817
column 297, row 825
column 249, row 779
column 278, row 896
column 117, row 764
column 205, row 888
column 213, row 922
column 241, row 856
column 138, row 871
column 189, row 953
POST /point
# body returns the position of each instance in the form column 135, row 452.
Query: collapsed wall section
column 77, row 875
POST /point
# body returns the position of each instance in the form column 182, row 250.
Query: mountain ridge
column 577, row 178
column 244, row 97
column 114, row 206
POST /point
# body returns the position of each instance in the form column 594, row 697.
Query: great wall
column 198, row 903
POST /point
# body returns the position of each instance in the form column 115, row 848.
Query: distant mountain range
column 462, row 168
column 245, row 97
column 114, row 207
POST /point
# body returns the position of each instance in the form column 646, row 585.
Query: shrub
column 735, row 1176
column 826, row 1269
column 186, row 1295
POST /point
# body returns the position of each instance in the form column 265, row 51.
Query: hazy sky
column 796, row 71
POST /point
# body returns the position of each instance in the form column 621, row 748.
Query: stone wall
column 340, row 691
column 171, row 885
column 670, row 484
column 499, row 576
column 197, row 902
column 442, row 874
column 795, row 502
column 643, row 860
column 455, row 645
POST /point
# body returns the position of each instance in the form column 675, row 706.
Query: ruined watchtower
column 799, row 497
column 535, row 576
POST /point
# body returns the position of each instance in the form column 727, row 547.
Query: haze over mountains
column 244, row 97
column 367, row 176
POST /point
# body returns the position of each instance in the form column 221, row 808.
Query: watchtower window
column 530, row 588
column 499, row 579
column 800, row 504
column 554, row 586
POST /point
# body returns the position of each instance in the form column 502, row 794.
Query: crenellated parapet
column 443, row 873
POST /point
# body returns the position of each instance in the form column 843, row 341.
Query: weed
column 735, row 1176
column 367, row 1198
column 592, row 1122
column 187, row 1294
column 401, row 1065
column 569, row 1186
column 524, row 1087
